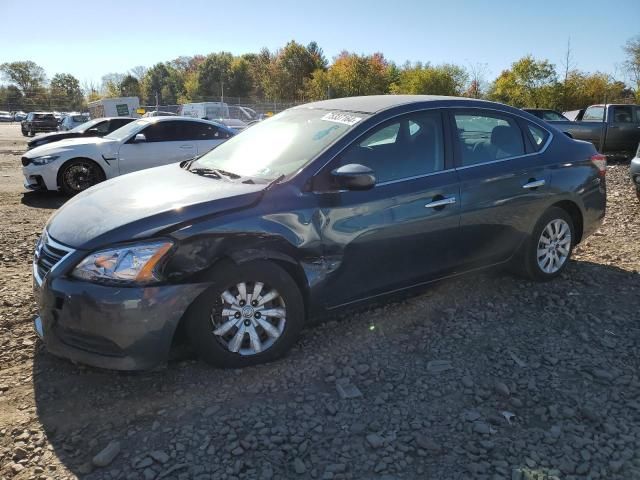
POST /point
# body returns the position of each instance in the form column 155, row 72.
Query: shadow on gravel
column 82, row 409
column 48, row 200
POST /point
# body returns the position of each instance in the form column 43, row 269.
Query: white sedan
column 73, row 165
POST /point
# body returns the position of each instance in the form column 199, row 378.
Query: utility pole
column 157, row 105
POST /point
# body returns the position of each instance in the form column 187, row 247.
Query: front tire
column 252, row 314
column 547, row 251
column 78, row 175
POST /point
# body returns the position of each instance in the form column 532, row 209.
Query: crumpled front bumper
column 110, row 327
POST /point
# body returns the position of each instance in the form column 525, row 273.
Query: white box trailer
column 115, row 107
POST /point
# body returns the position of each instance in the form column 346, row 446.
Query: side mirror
column 139, row 138
column 353, row 177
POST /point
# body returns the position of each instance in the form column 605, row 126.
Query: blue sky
column 71, row 36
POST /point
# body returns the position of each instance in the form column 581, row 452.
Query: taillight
column 600, row 161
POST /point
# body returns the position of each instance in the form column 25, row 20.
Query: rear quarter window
column 539, row 136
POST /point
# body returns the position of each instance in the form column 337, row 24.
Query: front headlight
column 45, row 159
column 135, row 263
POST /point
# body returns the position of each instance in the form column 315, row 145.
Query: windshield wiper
column 228, row 174
column 205, row 172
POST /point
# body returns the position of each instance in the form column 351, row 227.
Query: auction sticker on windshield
column 339, row 117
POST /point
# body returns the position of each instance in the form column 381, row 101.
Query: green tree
column 26, row 75
column 447, row 79
column 632, row 63
column 240, row 78
column 528, row 83
column 214, row 75
column 111, row 84
column 351, row 74
column 130, row 86
column 11, row 98
column 165, row 81
column 65, row 92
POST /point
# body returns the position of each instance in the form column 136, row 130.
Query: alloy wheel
column 80, row 176
column 252, row 319
column 554, row 246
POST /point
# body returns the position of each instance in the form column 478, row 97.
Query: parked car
column 75, row 164
column 93, row 128
column 574, row 115
column 233, row 123
column 246, row 114
column 613, row 129
column 5, row 116
column 634, row 169
column 71, row 121
column 19, row 116
column 322, row 206
column 38, row 122
column 155, row 113
column 546, row 114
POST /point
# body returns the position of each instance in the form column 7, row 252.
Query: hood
column 51, row 137
column 69, row 144
column 137, row 205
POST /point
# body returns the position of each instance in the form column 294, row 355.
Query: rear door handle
column 186, row 147
column 534, row 184
column 441, row 203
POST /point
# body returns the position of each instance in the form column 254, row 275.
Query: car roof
column 377, row 103
column 114, row 118
column 182, row 119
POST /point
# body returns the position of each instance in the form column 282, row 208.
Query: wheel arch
column 245, row 255
column 576, row 215
column 66, row 162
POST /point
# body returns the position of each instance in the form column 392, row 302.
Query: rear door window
column 485, row 137
column 623, row 114
column 201, row 131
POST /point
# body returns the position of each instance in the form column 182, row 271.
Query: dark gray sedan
column 322, row 206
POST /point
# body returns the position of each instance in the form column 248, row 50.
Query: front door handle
column 534, row 184
column 441, row 203
column 186, row 147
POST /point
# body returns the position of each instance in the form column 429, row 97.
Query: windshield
column 280, row 145
column 84, row 126
column 126, row 131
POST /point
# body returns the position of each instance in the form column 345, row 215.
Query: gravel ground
column 487, row 376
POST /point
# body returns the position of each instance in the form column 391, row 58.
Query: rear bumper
column 110, row 327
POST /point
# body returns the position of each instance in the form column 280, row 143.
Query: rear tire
column 546, row 253
column 77, row 175
column 234, row 335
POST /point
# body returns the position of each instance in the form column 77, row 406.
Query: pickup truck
column 38, row 122
column 613, row 129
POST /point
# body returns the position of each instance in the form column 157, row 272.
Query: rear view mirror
column 354, row 177
column 139, row 138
